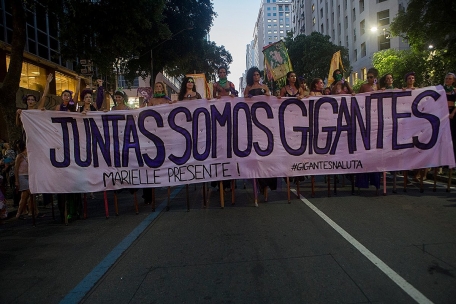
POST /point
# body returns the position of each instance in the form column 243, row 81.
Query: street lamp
column 152, row 82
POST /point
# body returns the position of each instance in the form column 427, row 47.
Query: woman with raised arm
column 68, row 104
column 292, row 87
column 188, row 90
column 254, row 86
column 30, row 101
column 223, row 87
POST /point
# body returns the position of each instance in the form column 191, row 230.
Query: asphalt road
column 362, row 248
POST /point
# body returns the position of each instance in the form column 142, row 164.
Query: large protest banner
column 236, row 138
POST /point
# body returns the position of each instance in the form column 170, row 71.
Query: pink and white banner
column 237, row 138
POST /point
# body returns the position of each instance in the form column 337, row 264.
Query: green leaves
column 311, row 55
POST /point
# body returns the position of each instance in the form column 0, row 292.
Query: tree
column 186, row 50
column 428, row 66
column 427, row 22
column 430, row 23
column 13, row 76
column 118, row 33
column 311, row 55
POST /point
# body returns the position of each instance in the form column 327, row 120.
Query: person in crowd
column 188, row 90
column 339, row 85
column 254, row 86
column 22, row 181
column 8, row 172
column 450, row 90
column 31, row 101
column 68, row 104
column 303, row 83
column 292, row 87
column 160, row 95
column 371, row 84
column 409, row 79
column 119, row 101
column 386, row 82
column 316, row 87
column 86, row 96
column 327, row 91
column 223, row 87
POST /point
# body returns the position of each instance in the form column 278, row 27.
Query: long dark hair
column 297, row 84
column 183, row 88
column 249, row 77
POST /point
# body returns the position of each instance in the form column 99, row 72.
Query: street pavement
column 362, row 248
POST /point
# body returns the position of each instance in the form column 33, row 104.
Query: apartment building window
column 280, row 7
column 361, row 6
column 280, row 14
column 383, row 18
column 364, row 73
column 355, row 76
column 269, row 14
column 346, row 22
column 321, row 28
column 354, row 35
column 269, row 8
column 313, row 7
column 379, row 1
column 354, row 14
column 287, row 8
column 355, row 55
column 363, row 49
column 339, row 29
column 269, row 20
column 345, row 4
column 274, row 14
column 346, row 41
column 362, row 27
column 321, row 12
column 383, row 42
column 313, row 20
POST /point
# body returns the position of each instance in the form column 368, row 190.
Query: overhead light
column 430, row 46
column 374, row 29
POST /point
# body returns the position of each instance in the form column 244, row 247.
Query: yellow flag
column 336, row 64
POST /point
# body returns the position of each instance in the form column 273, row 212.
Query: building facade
column 362, row 26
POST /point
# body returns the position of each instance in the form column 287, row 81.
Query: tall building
column 273, row 23
column 362, row 26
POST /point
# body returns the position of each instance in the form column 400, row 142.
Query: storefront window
column 32, row 76
column 63, row 82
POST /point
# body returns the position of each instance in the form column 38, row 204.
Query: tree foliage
column 426, row 23
column 428, row 66
column 119, row 34
column 311, row 55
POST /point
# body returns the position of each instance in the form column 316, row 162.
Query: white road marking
column 401, row 282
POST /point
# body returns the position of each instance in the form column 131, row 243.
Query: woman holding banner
column 160, row 95
column 340, row 86
column 371, row 84
column 254, row 87
column 86, row 96
column 316, row 87
column 188, row 90
column 223, row 87
column 119, row 100
column 292, row 87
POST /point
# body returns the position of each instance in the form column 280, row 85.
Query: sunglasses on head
column 191, row 80
column 370, row 77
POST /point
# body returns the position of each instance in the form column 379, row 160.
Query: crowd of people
column 14, row 162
